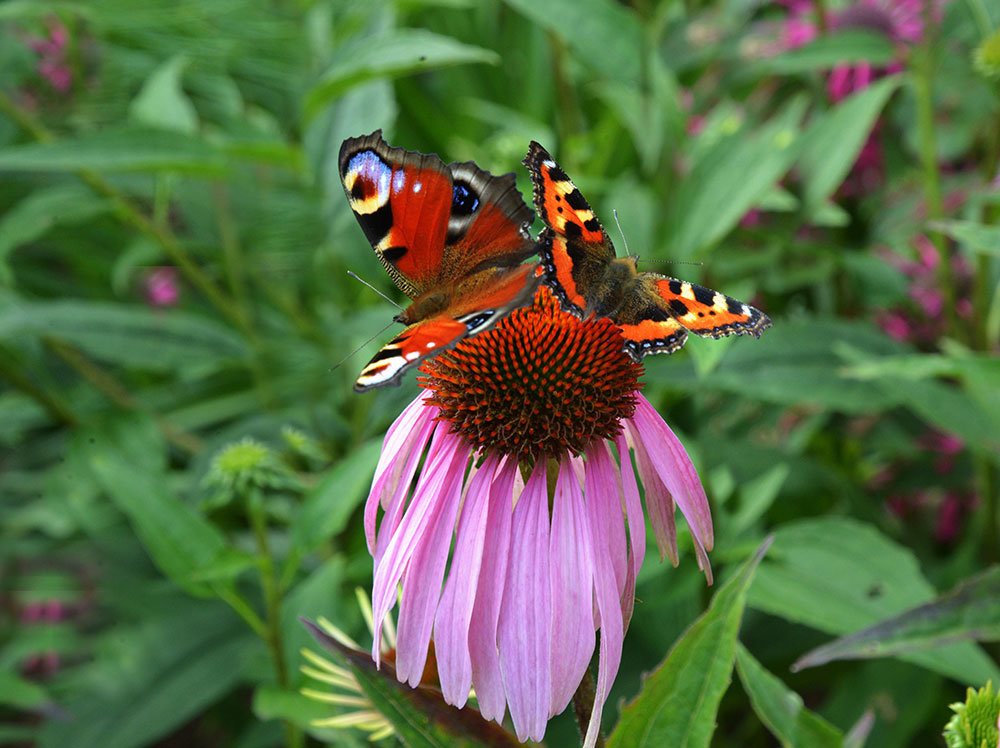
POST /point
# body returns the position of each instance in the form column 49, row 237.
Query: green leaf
column 419, row 715
column 830, row 50
column 839, row 575
column 130, row 149
column 274, row 702
column 161, row 102
column 979, row 237
column 152, row 679
column 180, row 541
column 781, row 709
column 128, row 335
column 36, row 214
column 391, row 54
column 590, row 25
column 728, row 179
column 327, row 507
column 316, row 596
column 971, row 611
column 678, row 702
column 831, row 144
column 19, row 693
column 795, row 363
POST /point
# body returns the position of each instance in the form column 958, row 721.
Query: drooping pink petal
column 446, row 450
column 601, row 477
column 674, row 466
column 571, row 578
column 396, row 503
column 659, row 503
column 486, row 676
column 424, row 575
column 406, row 435
column 636, row 527
column 524, row 628
column 454, row 613
column 606, row 593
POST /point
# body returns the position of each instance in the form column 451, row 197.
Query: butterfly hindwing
column 481, row 300
column 654, row 312
column 701, row 310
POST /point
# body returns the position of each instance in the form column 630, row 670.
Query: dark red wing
column 431, row 223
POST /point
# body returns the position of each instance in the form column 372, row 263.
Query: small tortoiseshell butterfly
column 655, row 312
column 451, row 236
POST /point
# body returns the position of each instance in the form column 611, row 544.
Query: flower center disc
column 540, row 383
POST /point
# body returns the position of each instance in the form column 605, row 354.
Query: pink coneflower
column 527, row 434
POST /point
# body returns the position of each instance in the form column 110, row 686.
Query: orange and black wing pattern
column 575, row 248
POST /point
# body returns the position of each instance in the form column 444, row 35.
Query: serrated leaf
column 129, row 335
column 391, row 54
column 781, row 709
column 839, row 575
column 327, row 506
column 971, row 611
column 679, row 699
column 831, row 144
column 123, row 150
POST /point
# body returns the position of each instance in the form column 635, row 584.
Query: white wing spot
column 411, row 355
column 431, row 344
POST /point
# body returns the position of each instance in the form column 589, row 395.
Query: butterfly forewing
column 451, row 236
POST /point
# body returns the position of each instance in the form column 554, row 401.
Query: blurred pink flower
column 534, row 572
column 161, row 287
column 923, row 322
column 53, row 64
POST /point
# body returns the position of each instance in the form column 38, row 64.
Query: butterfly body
column 451, row 236
column 655, row 312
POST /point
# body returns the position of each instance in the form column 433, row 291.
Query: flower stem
column 583, row 706
column 923, row 87
column 272, row 604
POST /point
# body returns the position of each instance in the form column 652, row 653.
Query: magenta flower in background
column 526, row 433
column 161, row 287
column 53, row 62
column 922, row 320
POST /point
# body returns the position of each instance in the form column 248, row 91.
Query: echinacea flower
column 522, row 532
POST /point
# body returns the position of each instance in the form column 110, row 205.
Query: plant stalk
column 272, row 603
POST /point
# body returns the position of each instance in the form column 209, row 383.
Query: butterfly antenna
column 614, row 212
column 351, row 354
column 358, row 278
column 676, row 262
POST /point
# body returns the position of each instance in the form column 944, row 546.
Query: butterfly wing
column 480, row 301
column 657, row 317
column 451, row 236
column 575, row 249
column 430, row 223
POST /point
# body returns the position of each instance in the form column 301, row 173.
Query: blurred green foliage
column 174, row 248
